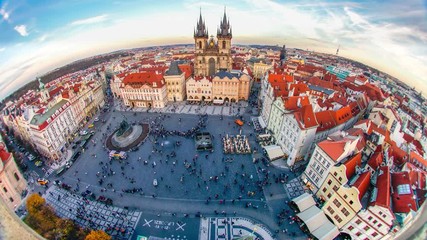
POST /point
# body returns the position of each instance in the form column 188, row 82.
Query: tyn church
column 212, row 56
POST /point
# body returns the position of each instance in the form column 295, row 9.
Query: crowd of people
column 238, row 144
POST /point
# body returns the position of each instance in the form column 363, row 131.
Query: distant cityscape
column 238, row 142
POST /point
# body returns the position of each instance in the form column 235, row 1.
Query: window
column 4, row 189
column 340, row 179
column 11, row 199
column 337, row 203
column 374, row 234
column 335, row 188
column 366, row 228
column 324, row 189
column 200, row 44
column 375, row 221
column 345, row 212
column 223, row 44
column 335, row 174
column 370, row 218
column 380, row 225
column 329, row 195
column 330, row 210
column 345, row 196
column 16, row 176
column 350, row 228
column 338, row 218
column 358, row 234
column 329, row 182
column 358, row 221
column 351, row 202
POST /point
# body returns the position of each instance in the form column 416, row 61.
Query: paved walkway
column 232, row 228
column 294, row 188
column 117, row 222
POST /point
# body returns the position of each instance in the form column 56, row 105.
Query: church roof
column 173, row 69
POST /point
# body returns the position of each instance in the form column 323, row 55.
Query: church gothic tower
column 212, row 56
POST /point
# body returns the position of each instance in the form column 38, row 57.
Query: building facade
column 199, row 89
column 175, row 81
column 210, row 55
column 231, row 87
column 146, row 89
column 12, row 183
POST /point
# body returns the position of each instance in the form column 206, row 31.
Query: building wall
column 11, row 186
column 335, row 179
column 342, row 206
column 175, row 87
column 199, row 90
column 372, row 223
column 145, row 96
column 317, row 169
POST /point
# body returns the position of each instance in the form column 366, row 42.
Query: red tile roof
column 417, row 160
column 343, row 114
column 4, row 154
column 351, row 163
column 144, row 78
column 362, row 183
column 305, row 117
column 377, row 158
column 383, row 188
column 295, row 102
column 334, row 148
column 402, row 203
column 325, row 120
column 186, row 68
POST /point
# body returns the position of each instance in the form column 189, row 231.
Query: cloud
column 92, row 20
column 21, row 29
column 2, row 49
column 4, row 13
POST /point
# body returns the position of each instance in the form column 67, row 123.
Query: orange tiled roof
column 362, row 183
column 383, row 188
column 351, row 163
column 144, row 78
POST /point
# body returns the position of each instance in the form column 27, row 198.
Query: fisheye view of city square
column 213, row 120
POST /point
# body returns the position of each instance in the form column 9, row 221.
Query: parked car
column 91, row 125
column 84, row 132
column 96, row 119
column 38, row 163
column 31, row 157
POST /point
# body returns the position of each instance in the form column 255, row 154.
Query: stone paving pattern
column 111, row 219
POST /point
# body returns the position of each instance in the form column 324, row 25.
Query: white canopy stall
column 274, row 152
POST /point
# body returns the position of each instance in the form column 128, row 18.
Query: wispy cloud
column 2, row 49
column 4, row 13
column 21, row 29
column 92, row 20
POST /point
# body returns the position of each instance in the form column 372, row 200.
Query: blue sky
column 38, row 36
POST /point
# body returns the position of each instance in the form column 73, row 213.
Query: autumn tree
column 97, row 235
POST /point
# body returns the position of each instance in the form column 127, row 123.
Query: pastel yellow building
column 231, row 86
column 338, row 176
column 345, row 203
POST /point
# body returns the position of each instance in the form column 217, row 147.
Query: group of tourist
column 236, row 144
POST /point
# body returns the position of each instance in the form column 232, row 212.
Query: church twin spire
column 224, row 30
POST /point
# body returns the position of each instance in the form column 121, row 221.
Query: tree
column 97, row 235
column 34, row 203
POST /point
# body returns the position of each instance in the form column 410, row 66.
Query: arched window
column 223, row 44
column 200, row 44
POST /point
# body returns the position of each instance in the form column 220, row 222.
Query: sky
column 39, row 36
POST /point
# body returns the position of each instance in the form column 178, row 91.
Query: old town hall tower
column 212, row 56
